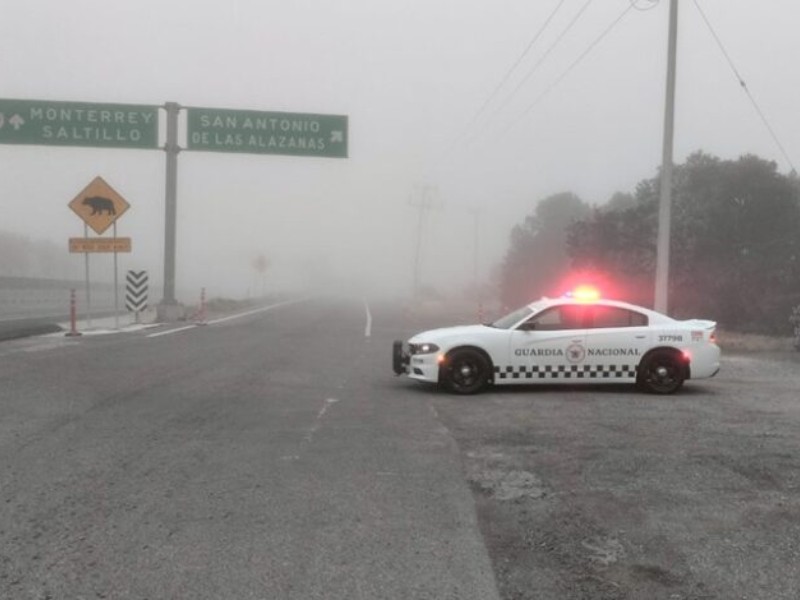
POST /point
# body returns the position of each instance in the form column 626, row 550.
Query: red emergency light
column 585, row 293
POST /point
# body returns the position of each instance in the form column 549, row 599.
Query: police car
column 578, row 338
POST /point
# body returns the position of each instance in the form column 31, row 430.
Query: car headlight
column 423, row 348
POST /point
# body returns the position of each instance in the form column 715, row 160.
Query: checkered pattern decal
column 565, row 372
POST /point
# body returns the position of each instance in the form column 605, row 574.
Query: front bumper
column 422, row 367
column 400, row 359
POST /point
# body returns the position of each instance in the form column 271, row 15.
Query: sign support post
column 116, row 285
column 88, row 285
column 169, row 309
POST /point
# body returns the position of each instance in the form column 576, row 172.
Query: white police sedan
column 578, row 338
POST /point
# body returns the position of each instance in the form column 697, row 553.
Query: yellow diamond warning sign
column 99, row 205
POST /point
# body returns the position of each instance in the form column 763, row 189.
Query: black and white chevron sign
column 136, row 291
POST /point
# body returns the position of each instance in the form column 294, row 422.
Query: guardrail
column 24, row 297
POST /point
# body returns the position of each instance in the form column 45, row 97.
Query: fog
column 411, row 77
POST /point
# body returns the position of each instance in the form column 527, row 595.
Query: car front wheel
column 662, row 372
column 465, row 371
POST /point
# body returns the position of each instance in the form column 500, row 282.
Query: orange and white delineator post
column 200, row 316
column 73, row 315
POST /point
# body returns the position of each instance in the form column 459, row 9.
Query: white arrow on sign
column 16, row 122
column 337, row 136
column 2, row 120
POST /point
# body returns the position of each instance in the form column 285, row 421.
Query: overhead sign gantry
column 56, row 123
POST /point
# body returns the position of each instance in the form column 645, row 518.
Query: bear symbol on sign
column 100, row 205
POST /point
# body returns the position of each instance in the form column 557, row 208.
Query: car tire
column 465, row 371
column 661, row 372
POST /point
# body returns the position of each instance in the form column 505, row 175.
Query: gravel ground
column 606, row 493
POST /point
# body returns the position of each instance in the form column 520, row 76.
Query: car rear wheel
column 661, row 372
column 466, row 371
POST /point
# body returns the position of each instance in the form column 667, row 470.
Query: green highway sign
column 254, row 132
column 78, row 124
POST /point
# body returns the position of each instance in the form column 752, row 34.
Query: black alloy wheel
column 466, row 371
column 662, row 372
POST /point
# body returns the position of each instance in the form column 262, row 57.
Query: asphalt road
column 606, row 493
column 275, row 456
column 270, row 456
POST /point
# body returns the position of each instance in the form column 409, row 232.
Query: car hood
column 444, row 333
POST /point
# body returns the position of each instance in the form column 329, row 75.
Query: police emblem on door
column 576, row 353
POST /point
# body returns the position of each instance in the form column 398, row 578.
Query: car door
column 616, row 340
column 541, row 348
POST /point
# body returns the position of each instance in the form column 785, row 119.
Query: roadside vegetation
column 735, row 245
column 734, row 341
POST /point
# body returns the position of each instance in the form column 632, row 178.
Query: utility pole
column 424, row 204
column 169, row 309
column 665, row 202
column 476, row 213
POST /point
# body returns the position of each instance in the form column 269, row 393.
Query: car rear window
column 612, row 316
column 566, row 316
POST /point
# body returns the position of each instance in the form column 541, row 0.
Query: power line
column 744, row 86
column 517, row 62
column 506, row 77
column 530, row 73
column 541, row 60
column 570, row 68
column 632, row 5
column 647, row 4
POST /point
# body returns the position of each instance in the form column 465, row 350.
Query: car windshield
column 512, row 318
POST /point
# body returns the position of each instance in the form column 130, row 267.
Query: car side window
column 611, row 316
column 566, row 316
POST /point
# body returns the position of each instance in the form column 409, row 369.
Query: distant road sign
column 100, row 244
column 99, row 205
column 294, row 134
column 136, row 291
column 78, row 124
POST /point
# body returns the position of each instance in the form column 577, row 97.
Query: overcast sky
column 411, row 76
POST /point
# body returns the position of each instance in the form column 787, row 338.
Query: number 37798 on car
column 568, row 340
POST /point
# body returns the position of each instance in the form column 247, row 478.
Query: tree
column 734, row 243
column 537, row 256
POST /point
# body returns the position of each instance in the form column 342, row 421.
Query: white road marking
column 318, row 421
column 228, row 318
column 252, row 312
column 324, row 408
column 171, row 331
column 368, row 329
